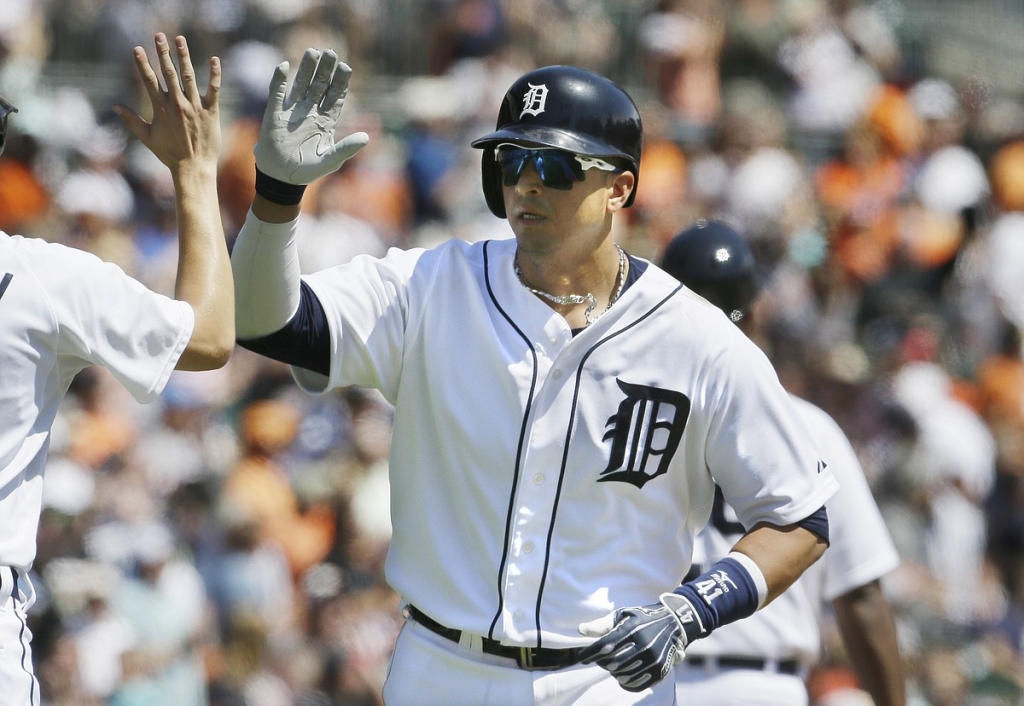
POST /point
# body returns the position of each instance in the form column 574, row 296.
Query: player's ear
column 619, row 189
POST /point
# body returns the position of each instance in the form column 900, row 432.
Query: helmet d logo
column 534, row 99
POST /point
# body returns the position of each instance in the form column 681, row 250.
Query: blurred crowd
column 224, row 545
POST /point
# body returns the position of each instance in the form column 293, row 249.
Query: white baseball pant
column 429, row 670
column 18, row 685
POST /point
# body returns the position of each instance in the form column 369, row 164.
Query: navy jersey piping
column 519, row 447
column 565, row 449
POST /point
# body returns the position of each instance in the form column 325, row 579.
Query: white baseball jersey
column 62, row 310
column 860, row 551
column 541, row 479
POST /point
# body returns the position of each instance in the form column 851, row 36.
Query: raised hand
column 297, row 143
column 185, row 129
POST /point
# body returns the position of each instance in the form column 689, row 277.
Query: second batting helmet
column 716, row 262
column 565, row 108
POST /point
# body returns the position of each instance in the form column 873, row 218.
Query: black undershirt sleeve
column 304, row 341
column 817, row 522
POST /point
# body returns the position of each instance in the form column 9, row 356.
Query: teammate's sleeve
column 107, row 318
column 861, row 548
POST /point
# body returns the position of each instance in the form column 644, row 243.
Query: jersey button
column 517, row 616
column 556, row 374
column 528, row 547
column 538, row 479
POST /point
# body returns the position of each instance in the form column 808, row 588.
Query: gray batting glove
column 640, row 645
column 296, row 143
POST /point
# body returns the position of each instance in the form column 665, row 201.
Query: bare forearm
column 869, row 633
column 782, row 554
column 204, row 270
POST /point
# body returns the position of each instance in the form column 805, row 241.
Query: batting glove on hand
column 640, row 645
column 296, row 143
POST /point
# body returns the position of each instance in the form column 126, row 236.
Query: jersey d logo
column 645, row 433
column 534, row 99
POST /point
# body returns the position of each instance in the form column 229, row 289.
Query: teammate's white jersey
column 62, row 310
column 532, row 470
column 860, row 551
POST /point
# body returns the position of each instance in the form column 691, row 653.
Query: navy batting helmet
column 566, row 108
column 5, row 109
column 716, row 262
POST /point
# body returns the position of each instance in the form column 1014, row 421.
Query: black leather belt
column 781, row 666
column 535, row 658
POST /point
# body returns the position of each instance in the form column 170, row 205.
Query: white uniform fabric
column 436, row 672
column 61, row 310
column 860, row 551
column 64, row 310
column 510, row 435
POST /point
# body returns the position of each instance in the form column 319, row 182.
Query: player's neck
column 580, row 289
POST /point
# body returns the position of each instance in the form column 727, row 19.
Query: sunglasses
column 558, row 169
column 5, row 110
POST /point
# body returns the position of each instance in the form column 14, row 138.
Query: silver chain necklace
column 573, row 299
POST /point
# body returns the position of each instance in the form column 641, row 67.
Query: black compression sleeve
column 304, row 341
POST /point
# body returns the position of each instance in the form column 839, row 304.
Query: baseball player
column 763, row 659
column 62, row 310
column 557, row 436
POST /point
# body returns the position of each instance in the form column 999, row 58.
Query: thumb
column 132, row 121
column 597, row 628
column 344, row 149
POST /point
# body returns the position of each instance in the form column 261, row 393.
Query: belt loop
column 526, row 657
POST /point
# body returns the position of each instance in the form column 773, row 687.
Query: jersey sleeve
column 368, row 303
column 758, row 450
column 861, row 549
column 105, row 317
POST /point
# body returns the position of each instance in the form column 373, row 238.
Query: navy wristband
column 277, row 191
column 723, row 594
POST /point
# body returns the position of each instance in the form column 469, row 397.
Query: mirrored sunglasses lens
column 557, row 169
column 511, row 161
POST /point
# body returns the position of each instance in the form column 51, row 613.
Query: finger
column 148, row 76
column 303, row 76
column 277, row 91
column 322, row 77
column 133, row 121
column 600, row 627
column 163, row 51
column 338, row 89
column 188, row 73
column 212, row 97
column 345, row 149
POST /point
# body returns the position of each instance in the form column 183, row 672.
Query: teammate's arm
column 185, row 135
column 869, row 634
